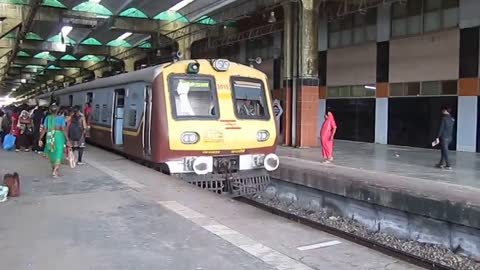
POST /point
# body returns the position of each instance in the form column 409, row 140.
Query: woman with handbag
column 25, row 127
column 54, row 126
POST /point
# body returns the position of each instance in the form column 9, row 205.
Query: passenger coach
column 209, row 122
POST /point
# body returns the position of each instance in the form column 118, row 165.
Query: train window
column 96, row 113
column 105, row 113
column 249, row 98
column 132, row 116
column 193, row 97
column 89, row 97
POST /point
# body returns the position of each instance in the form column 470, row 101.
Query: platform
column 116, row 214
column 401, row 178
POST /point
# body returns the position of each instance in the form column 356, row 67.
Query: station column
column 301, row 81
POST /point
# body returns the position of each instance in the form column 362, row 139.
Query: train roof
column 143, row 75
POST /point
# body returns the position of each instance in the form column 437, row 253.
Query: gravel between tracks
column 432, row 252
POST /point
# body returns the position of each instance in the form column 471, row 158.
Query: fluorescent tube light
column 124, row 36
column 66, row 30
column 180, row 5
column 370, row 87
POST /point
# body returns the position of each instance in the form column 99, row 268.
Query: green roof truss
column 53, row 3
column 119, row 43
column 170, row 15
column 93, row 7
column 33, row 36
column 68, row 57
column 91, row 41
column 133, row 12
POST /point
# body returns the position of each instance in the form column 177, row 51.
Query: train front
column 221, row 127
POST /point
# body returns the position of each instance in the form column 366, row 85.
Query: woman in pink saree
column 327, row 134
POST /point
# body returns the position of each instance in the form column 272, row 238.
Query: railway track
column 401, row 255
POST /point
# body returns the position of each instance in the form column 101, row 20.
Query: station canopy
column 68, row 36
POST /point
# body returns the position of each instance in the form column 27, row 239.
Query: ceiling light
column 180, row 5
column 95, row 1
column 66, row 30
column 14, row 89
column 124, row 36
column 370, row 87
column 272, row 18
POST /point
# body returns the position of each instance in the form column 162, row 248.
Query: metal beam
column 30, row 61
column 43, row 46
column 8, row 25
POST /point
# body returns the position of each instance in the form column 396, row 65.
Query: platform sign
column 277, row 109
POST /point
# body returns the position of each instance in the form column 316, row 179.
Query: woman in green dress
column 54, row 126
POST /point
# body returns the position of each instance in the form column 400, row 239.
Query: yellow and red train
column 209, row 122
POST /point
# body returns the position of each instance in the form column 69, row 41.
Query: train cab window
column 249, row 98
column 193, row 97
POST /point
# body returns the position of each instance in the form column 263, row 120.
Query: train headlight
column 262, row 135
column 221, row 64
column 203, row 165
column 271, row 162
column 190, row 137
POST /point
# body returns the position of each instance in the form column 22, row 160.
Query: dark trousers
column 80, row 153
column 444, row 143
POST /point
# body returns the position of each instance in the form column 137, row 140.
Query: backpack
column 75, row 130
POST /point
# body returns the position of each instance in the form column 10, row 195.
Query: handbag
column 9, row 142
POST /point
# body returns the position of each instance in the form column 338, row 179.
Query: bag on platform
column 12, row 181
column 9, row 142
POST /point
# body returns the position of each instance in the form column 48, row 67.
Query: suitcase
column 12, row 181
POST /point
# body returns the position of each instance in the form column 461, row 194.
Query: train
column 207, row 121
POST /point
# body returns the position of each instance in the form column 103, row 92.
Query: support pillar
column 307, row 83
column 288, row 62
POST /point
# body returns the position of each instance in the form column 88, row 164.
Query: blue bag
column 9, row 142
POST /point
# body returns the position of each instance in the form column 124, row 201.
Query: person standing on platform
column 445, row 136
column 76, row 133
column 327, row 135
column 37, row 118
column 87, row 113
column 54, row 126
column 25, row 126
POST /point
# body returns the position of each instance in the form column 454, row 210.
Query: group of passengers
column 50, row 131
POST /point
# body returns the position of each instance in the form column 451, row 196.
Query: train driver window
column 250, row 100
column 193, row 97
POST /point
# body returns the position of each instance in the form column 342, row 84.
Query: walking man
column 445, row 135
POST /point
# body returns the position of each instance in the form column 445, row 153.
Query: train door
column 118, row 113
column 147, row 121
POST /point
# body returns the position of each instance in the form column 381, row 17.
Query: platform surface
column 116, row 214
column 397, row 160
column 402, row 178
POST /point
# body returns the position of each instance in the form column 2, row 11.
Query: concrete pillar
column 468, row 83
column 98, row 73
column 467, row 123
column 307, row 83
column 381, row 120
column 184, row 45
column 129, row 64
column 287, row 71
column 382, row 86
